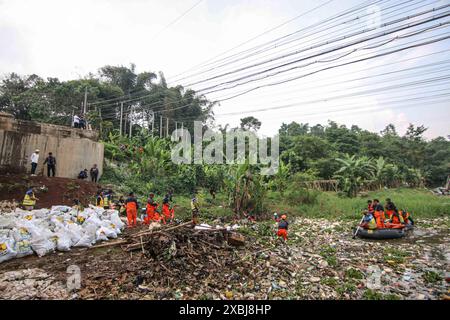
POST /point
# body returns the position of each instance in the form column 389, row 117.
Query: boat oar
column 357, row 229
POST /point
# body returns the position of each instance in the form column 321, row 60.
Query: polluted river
column 319, row 261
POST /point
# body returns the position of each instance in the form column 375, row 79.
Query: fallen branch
column 145, row 233
column 109, row 244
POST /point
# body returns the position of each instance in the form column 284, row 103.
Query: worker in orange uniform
column 132, row 207
column 152, row 206
column 379, row 214
column 283, row 227
column 390, row 208
column 369, row 206
column 167, row 213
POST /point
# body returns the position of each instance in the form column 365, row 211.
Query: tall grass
column 420, row 203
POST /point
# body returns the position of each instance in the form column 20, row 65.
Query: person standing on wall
column 51, row 164
column 94, row 173
column 34, row 161
column 76, row 121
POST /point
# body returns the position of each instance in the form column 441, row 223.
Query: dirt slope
column 58, row 191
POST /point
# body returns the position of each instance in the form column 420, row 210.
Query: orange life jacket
column 405, row 215
column 395, row 218
column 389, row 213
column 167, row 212
column 379, row 218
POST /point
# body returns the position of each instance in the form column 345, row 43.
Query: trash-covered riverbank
column 319, row 261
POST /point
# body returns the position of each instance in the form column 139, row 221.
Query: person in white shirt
column 76, row 121
column 34, row 161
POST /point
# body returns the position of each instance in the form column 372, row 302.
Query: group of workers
column 150, row 213
column 378, row 217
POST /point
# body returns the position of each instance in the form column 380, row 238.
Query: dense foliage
column 54, row 101
column 356, row 158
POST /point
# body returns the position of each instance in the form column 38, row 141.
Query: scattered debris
column 28, row 284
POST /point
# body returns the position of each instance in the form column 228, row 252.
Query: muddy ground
column 49, row 190
column 319, row 261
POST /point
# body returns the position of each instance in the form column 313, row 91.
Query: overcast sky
column 68, row 39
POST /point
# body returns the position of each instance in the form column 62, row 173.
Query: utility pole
column 121, row 116
column 100, row 115
column 125, row 124
column 167, row 127
column 131, row 125
column 160, row 126
column 153, row 123
column 85, row 100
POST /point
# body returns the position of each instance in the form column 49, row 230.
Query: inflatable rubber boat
column 380, row 234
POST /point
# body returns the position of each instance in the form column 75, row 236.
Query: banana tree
column 354, row 172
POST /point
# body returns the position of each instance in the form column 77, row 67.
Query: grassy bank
column 421, row 203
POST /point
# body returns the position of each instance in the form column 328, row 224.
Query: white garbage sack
column 109, row 231
column 100, row 235
column 41, row 213
column 115, row 219
column 74, row 231
column 42, row 240
column 63, row 242
column 22, row 245
column 7, row 251
column 7, row 221
column 113, row 230
column 60, row 209
column 88, row 237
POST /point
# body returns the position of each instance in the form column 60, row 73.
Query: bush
column 301, row 196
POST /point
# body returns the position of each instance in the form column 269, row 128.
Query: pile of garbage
column 8, row 206
column 42, row 231
column 29, row 284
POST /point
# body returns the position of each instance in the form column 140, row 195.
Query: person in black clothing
column 390, row 205
column 51, row 164
column 94, row 173
column 83, row 174
column 377, row 206
column 82, row 122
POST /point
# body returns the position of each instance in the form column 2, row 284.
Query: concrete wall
column 74, row 149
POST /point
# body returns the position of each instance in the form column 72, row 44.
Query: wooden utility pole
column 121, row 116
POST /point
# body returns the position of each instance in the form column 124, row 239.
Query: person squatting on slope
column 29, row 200
column 152, row 210
column 167, row 213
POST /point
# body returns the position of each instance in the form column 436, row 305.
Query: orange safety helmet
column 283, row 216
